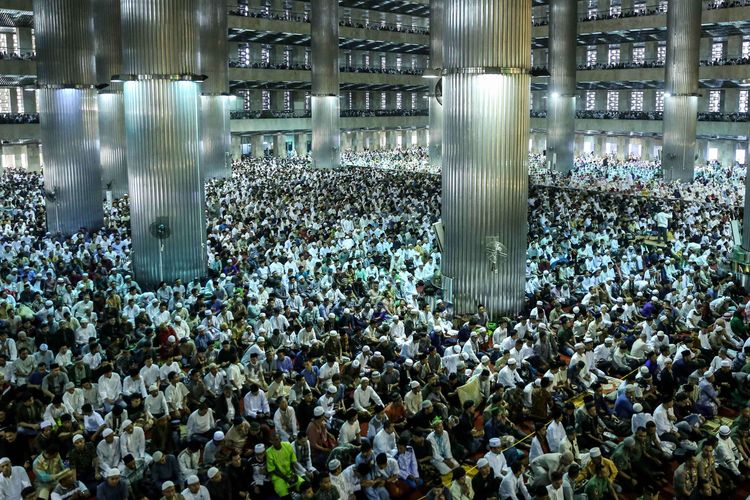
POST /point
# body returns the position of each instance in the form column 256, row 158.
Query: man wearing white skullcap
column 496, row 459
column 13, row 479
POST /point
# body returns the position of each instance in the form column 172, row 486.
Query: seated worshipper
column 13, row 479
column 386, row 469
column 109, row 452
column 600, row 486
column 194, row 490
column 113, row 487
column 461, row 488
column 485, row 484
column 322, row 442
column 134, row 473
column 280, row 466
column 365, row 397
column 302, row 451
column 685, row 480
column 385, row 440
column 408, row 467
column 219, row 488
column 442, row 458
column 201, row 424
column 496, row 459
column 285, row 420
column 133, row 442
column 165, row 468
column 728, row 457
column 69, row 488
column 512, row 486
column 189, row 459
column 542, row 467
column 350, row 430
column 256, row 404
column 215, row 453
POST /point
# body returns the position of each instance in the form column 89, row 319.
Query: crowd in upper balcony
column 647, row 115
column 18, row 118
column 18, row 56
column 388, row 70
column 304, row 17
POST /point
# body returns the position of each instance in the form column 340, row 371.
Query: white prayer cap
column 212, row 472
column 595, row 452
column 192, row 479
column 114, row 472
column 107, row 432
column 166, row 485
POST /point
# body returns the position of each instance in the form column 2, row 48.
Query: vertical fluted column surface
column 215, row 136
column 215, row 141
column 112, row 154
column 681, row 84
column 561, row 101
column 324, row 100
column 108, row 30
column 69, row 133
column 485, row 154
column 68, row 114
column 436, row 65
column 163, row 135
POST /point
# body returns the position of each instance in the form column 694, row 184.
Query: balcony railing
column 638, row 11
column 387, row 70
column 345, row 113
column 646, row 64
column 647, row 115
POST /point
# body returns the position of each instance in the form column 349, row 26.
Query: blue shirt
column 624, row 407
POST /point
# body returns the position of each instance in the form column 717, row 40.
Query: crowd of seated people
column 318, row 359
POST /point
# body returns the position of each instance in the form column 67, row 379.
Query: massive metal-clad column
column 324, row 101
column 215, row 139
column 681, row 85
column 162, row 126
column 485, row 153
column 561, row 101
column 111, row 101
column 68, row 114
column 436, row 82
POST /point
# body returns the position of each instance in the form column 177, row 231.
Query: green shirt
column 621, row 458
column 280, row 460
column 597, row 487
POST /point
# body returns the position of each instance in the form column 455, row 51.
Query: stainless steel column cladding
column 107, row 24
column 561, row 102
column 162, row 123
column 68, row 114
column 216, row 137
column 324, row 100
column 681, row 89
column 485, row 153
column 436, row 82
